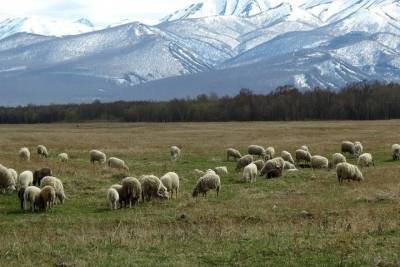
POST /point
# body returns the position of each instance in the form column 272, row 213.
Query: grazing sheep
column 7, row 183
column 171, row 182
column 305, row 148
column 319, row 162
column 56, row 184
column 152, row 187
column 358, row 148
column 132, row 189
column 260, row 164
column 348, row 147
column 63, row 157
column 365, row 160
column 116, row 163
column 42, row 151
column 46, row 198
column 222, row 170
column 113, row 198
column 233, row 153
column 289, row 166
column 256, row 151
column 396, row 152
column 38, row 175
column 243, row 162
column 206, row 183
column 273, row 168
column 336, row 159
column 31, row 195
column 287, row 156
column 303, row 155
column 175, row 152
column 250, row 173
column 97, row 156
column 346, row 171
column 14, row 175
column 25, row 179
column 24, row 154
column 123, row 196
column 269, row 153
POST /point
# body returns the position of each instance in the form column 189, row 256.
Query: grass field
column 263, row 224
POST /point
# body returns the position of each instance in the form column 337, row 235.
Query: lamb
column 46, row 198
column 222, row 170
column 287, row 156
column 116, row 163
column 24, row 154
column 289, row 166
column 256, row 151
column 123, row 196
column 171, row 182
column 346, row 171
column 269, row 153
column 25, row 179
column 303, row 155
column 273, row 168
column 42, row 151
column 358, row 148
column 319, row 162
column 260, row 164
column 97, row 156
column 348, row 147
column 31, row 195
column 152, row 187
column 233, row 153
column 38, row 175
column 336, row 159
column 243, row 162
column 206, row 183
column 175, row 152
column 396, row 152
column 113, row 198
column 132, row 189
column 365, row 160
column 63, row 157
column 57, row 184
column 250, row 173
column 7, row 182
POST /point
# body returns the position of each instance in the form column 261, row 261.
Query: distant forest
column 361, row 101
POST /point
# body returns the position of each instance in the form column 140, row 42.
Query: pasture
column 302, row 219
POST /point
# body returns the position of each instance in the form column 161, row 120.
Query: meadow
column 302, row 219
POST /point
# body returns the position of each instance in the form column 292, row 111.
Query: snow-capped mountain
column 212, row 45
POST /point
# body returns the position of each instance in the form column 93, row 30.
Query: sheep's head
column 163, row 192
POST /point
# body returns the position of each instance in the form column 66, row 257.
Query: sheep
column 171, row 181
column 289, row 166
column 303, row 155
column 243, row 162
column 116, row 163
column 57, row 184
column 113, row 198
column 319, row 162
column 123, row 195
column 305, row 148
column 260, row 164
column 348, row 147
column 210, row 171
column 38, row 175
column 25, row 179
column 232, row 153
column 46, row 198
column 250, row 173
column 63, row 157
column 198, row 172
column 358, row 148
column 24, row 154
column 269, row 153
column 42, row 151
column 14, row 174
column 7, row 182
column 336, row 159
column 97, row 156
column 206, row 183
column 396, row 152
column 347, row 171
column 31, row 195
column 175, row 152
column 273, row 168
column 222, row 170
column 365, row 160
column 287, row 156
column 132, row 188
column 256, row 151
column 152, row 187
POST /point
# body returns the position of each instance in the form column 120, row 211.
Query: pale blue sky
column 99, row 11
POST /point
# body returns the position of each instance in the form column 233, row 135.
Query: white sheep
column 256, row 150
column 31, row 196
column 175, row 152
column 152, row 187
column 348, row 147
column 222, row 170
column 113, row 198
column 273, row 168
column 206, row 183
column 303, row 155
column 250, row 173
column 243, row 162
column 97, row 156
column 347, row 171
column 289, row 166
column 365, row 160
column 358, row 148
column 336, row 159
column 319, row 162
column 233, row 153
column 269, row 153
column 14, row 174
column 63, row 157
column 25, row 179
column 396, row 152
column 287, row 156
column 57, row 184
column 171, row 181
column 116, row 163
column 24, row 154
column 42, row 151
column 7, row 183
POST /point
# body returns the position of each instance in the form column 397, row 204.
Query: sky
column 100, row 12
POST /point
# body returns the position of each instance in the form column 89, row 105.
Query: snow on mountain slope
column 19, row 40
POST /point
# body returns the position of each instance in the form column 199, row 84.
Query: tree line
column 360, row 101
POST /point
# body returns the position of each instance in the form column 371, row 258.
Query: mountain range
column 210, row 46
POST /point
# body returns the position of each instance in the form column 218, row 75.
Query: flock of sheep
column 40, row 190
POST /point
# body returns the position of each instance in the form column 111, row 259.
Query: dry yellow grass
column 261, row 224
